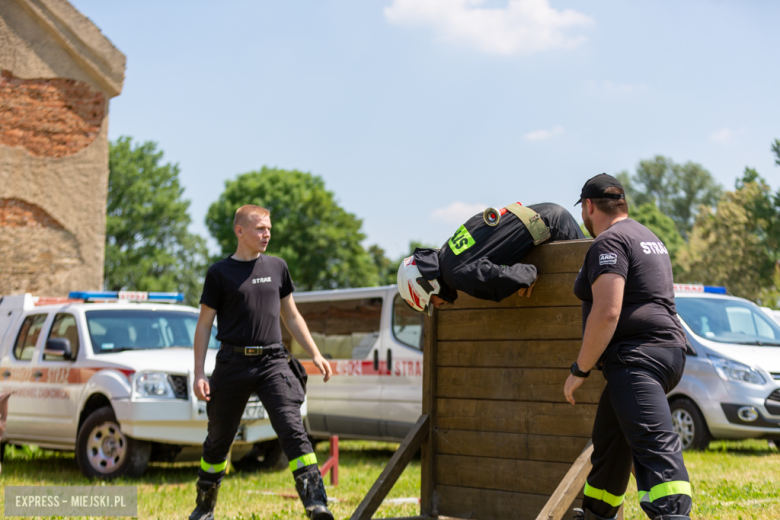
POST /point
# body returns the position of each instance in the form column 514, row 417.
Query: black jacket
column 490, row 267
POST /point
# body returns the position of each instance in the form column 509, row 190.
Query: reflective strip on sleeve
column 675, row 487
column 603, row 495
column 303, row 461
column 212, row 468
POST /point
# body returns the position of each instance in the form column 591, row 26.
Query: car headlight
column 153, row 384
column 729, row 370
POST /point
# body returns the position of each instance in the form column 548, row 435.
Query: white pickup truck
column 112, row 381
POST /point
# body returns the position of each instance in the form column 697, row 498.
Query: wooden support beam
column 569, row 488
column 430, row 392
column 393, row 470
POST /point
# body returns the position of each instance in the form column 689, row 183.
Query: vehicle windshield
column 141, row 329
column 728, row 321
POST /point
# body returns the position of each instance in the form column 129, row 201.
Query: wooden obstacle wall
column 501, row 437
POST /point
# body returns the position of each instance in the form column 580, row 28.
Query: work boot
column 587, row 514
column 311, row 489
column 672, row 517
column 207, row 499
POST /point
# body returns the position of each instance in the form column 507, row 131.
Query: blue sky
column 417, row 113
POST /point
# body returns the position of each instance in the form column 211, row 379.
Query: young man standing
column 247, row 292
column 631, row 332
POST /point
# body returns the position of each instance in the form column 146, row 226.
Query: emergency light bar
column 128, row 296
column 685, row 287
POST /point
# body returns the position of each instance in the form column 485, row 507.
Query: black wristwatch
column 576, row 372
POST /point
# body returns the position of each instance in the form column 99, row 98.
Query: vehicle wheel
column 689, row 424
column 103, row 451
column 264, row 456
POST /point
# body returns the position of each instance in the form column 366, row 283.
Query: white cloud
column 457, row 212
column 522, row 27
column 723, row 135
column 541, row 135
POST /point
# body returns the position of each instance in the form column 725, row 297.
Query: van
column 730, row 388
column 373, row 341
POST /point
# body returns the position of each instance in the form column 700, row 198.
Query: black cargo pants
column 234, row 379
column 634, row 425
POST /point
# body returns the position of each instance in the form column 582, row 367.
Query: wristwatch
column 576, row 372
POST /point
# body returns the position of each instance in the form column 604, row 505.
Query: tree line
column 714, row 236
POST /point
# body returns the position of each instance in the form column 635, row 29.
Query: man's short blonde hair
column 244, row 212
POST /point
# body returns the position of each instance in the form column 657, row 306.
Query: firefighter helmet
column 415, row 289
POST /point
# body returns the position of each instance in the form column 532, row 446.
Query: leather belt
column 254, row 351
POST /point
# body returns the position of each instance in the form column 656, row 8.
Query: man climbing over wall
column 484, row 256
column 248, row 291
column 632, row 334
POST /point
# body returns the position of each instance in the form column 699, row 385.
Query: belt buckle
column 252, row 351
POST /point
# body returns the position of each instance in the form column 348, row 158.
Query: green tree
column 385, row 267
column 148, row 246
column 733, row 245
column 319, row 240
column 678, row 190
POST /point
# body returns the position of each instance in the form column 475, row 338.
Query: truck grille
column 179, row 384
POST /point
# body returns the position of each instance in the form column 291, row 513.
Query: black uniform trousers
column 234, row 379
column 634, row 424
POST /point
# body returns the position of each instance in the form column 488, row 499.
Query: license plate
column 253, row 411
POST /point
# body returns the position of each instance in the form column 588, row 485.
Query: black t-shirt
column 648, row 316
column 247, row 297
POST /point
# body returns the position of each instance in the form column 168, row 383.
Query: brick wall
column 38, row 253
column 49, row 117
column 18, row 213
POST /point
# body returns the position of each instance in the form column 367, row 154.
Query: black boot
column 311, row 489
column 587, row 514
column 672, row 517
column 207, row 499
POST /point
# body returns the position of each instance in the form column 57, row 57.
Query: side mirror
column 58, row 347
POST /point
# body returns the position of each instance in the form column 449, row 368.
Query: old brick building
column 57, row 74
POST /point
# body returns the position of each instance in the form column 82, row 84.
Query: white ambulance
column 373, row 340
column 110, row 380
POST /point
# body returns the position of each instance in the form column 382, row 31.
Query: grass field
column 731, row 481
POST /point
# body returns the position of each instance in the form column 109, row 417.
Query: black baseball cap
column 596, row 186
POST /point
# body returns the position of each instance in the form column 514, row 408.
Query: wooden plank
column 559, row 257
column 515, row 384
column 430, row 346
column 507, row 353
column 393, row 470
column 520, row 476
column 516, row 417
column 561, row 500
column 509, row 445
column 514, row 324
column 551, row 290
column 484, row 504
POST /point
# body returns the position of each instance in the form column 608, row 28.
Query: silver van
column 731, row 385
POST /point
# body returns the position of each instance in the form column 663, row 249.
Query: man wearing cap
column 632, row 334
column 484, row 256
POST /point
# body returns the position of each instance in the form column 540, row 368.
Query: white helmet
column 415, row 289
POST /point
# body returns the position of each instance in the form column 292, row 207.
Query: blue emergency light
column 129, row 296
column 687, row 287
